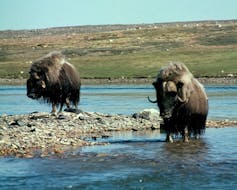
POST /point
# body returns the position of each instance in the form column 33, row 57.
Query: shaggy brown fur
column 182, row 101
column 55, row 80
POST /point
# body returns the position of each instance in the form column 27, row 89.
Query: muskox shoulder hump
column 177, row 72
column 56, row 57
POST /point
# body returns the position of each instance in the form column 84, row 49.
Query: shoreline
column 45, row 135
column 91, row 81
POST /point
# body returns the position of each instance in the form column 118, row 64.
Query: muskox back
column 182, row 101
column 54, row 80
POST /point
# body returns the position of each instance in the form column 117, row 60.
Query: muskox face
column 35, row 86
column 167, row 97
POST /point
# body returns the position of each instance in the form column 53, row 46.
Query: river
column 133, row 160
column 122, row 99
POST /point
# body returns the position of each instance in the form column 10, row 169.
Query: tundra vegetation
column 126, row 51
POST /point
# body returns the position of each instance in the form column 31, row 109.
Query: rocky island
column 47, row 135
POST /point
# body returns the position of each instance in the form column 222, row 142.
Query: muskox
column 182, row 102
column 55, row 81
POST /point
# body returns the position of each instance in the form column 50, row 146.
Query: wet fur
column 190, row 114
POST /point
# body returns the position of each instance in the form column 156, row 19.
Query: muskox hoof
column 53, row 113
column 197, row 136
column 185, row 139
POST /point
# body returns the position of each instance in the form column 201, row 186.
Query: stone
column 148, row 114
column 39, row 133
column 73, row 110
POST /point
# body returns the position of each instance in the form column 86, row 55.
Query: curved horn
column 184, row 93
column 152, row 101
column 182, row 100
column 43, row 84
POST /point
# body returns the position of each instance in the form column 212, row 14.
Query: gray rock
column 73, row 110
column 148, row 114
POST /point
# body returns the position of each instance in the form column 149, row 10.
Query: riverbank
column 203, row 80
column 126, row 51
column 45, row 135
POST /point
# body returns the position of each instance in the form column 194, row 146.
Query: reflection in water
column 195, row 149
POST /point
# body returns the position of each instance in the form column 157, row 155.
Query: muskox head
column 36, row 85
column 167, row 97
column 173, row 88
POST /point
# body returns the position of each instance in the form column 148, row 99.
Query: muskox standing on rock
column 55, row 81
column 182, row 101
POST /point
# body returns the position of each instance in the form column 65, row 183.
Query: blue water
column 146, row 162
column 122, row 99
column 133, row 160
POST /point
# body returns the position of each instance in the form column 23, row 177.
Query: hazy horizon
column 195, row 21
column 28, row 14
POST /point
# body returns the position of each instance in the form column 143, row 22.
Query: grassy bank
column 207, row 48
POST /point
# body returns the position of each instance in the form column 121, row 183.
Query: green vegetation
column 206, row 48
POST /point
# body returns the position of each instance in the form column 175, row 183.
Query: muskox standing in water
column 182, row 102
column 54, row 80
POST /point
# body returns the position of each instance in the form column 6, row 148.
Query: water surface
column 122, row 99
column 133, row 160
column 146, row 162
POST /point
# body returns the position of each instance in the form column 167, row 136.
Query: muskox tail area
column 75, row 97
column 70, row 83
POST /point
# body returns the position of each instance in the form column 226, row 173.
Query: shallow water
column 123, row 99
column 134, row 160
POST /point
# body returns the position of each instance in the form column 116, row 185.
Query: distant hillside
column 115, row 51
column 100, row 28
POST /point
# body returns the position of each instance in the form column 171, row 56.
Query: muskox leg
column 185, row 134
column 168, row 133
column 76, row 106
column 61, row 108
column 197, row 136
column 169, row 138
column 54, row 108
column 67, row 102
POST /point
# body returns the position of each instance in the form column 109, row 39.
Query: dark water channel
column 132, row 160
